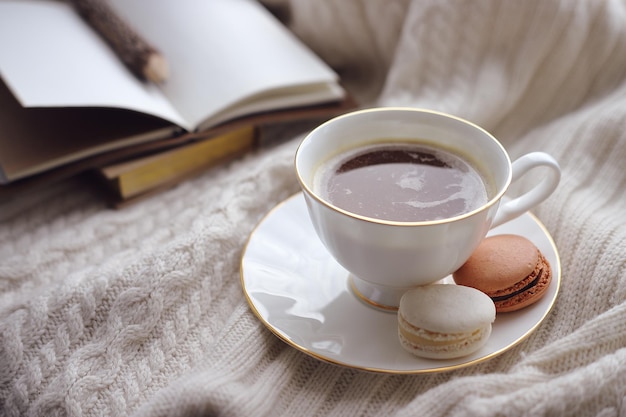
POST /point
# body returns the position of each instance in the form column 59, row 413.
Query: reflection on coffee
column 406, row 182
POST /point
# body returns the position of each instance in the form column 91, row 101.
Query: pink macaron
column 508, row 268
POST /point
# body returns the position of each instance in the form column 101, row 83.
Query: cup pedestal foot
column 378, row 296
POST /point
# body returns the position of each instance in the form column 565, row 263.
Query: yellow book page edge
column 150, row 172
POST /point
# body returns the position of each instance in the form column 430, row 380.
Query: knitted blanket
column 140, row 311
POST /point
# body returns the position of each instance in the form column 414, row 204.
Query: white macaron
column 444, row 321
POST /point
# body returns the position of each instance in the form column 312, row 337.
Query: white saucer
column 303, row 296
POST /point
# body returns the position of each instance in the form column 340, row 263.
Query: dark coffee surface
column 403, row 182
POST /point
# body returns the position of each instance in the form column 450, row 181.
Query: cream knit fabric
column 140, row 312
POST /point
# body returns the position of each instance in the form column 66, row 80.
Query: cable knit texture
column 140, row 312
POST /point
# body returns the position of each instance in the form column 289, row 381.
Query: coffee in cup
column 402, row 181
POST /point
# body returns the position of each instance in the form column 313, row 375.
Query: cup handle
column 514, row 208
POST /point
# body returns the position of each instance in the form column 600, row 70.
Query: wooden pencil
column 142, row 59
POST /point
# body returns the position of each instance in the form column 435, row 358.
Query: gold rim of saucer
column 276, row 330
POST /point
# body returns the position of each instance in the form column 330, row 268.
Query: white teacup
column 385, row 258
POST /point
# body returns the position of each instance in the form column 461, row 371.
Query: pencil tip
column 156, row 69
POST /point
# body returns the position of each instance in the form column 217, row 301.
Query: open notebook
column 66, row 96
